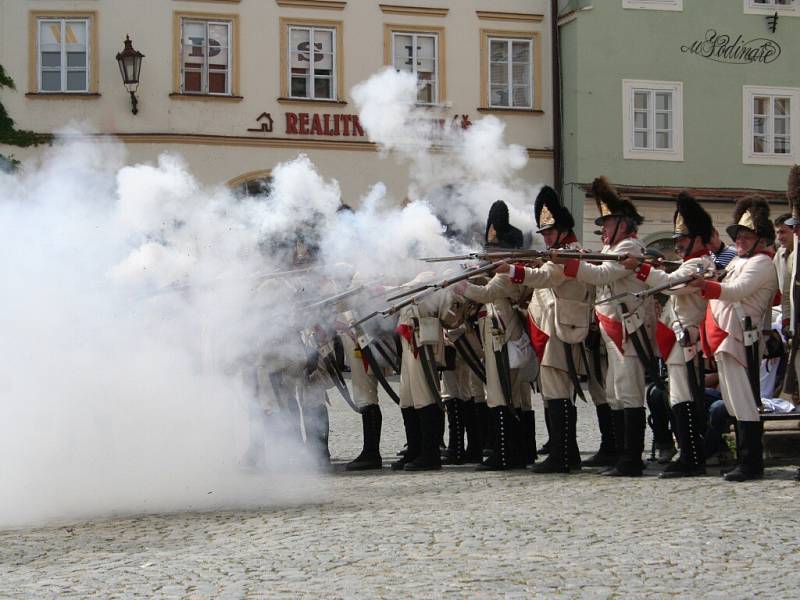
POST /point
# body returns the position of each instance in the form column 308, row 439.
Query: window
column 311, row 60
column 510, row 71
column 654, row 4
column 771, row 132
column 782, row 7
column 652, row 120
column 206, row 55
column 62, row 49
column 418, row 50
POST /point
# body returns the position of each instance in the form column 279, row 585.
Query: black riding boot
column 691, row 460
column 413, row 438
column 454, row 455
column 618, row 425
column 429, row 457
column 500, row 457
column 751, row 452
column 557, row 460
column 606, row 456
column 572, row 438
column 630, row 463
column 474, row 450
column 370, row 457
column 486, row 427
column 546, row 446
column 317, row 428
column 527, row 442
column 659, row 421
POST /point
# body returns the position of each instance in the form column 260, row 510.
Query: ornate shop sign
column 724, row 48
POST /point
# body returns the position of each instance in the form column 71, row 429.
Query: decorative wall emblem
column 266, row 123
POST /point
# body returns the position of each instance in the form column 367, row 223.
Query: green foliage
column 8, row 133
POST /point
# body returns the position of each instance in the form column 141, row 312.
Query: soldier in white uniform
column 732, row 328
column 422, row 339
column 791, row 305
column 624, row 327
column 678, row 332
column 559, row 315
column 513, row 440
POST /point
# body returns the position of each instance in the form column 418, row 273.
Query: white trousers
column 365, row 384
column 624, row 378
column 555, row 384
column 735, row 388
column 414, row 389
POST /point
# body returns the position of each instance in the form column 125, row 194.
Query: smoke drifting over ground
column 135, row 309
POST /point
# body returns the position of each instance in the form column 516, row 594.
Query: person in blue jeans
column 719, row 422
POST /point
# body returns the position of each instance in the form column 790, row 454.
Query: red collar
column 569, row 239
column 700, row 253
column 767, row 252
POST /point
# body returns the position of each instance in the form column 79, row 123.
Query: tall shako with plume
column 752, row 214
column 691, row 219
column 551, row 214
column 611, row 204
column 499, row 231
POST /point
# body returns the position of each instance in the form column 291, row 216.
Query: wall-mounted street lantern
column 130, row 65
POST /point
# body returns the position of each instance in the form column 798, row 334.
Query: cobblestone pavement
column 454, row 534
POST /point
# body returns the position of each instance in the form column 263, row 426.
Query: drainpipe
column 555, row 51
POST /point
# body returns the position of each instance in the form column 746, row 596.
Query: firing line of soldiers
column 474, row 346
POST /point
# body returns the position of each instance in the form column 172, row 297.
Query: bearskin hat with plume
column 691, row 219
column 752, row 213
column 556, row 214
column 611, row 204
column 505, row 234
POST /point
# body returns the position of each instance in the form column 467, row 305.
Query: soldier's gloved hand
column 459, row 288
column 503, row 268
column 631, row 262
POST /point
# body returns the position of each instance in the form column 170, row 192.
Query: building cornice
column 200, row 139
column 419, row 11
column 318, row 4
column 644, row 193
column 492, row 15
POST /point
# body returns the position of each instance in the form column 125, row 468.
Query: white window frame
column 204, row 91
column 749, row 157
column 334, row 62
column 629, row 86
column 751, row 8
column 509, row 41
column 437, row 70
column 63, row 68
column 673, row 5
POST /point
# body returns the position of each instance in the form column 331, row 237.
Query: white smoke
column 136, row 312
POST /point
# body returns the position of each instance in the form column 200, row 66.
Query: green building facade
column 665, row 95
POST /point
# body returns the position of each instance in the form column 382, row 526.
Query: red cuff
column 517, row 273
column 642, row 271
column 571, row 267
column 786, row 322
column 776, row 301
column 712, row 291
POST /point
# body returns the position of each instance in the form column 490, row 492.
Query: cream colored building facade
column 233, row 86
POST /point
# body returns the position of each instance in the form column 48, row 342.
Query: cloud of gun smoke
column 135, row 309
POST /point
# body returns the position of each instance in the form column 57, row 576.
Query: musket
column 544, row 255
column 701, row 271
column 471, row 272
column 333, row 299
column 427, row 290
